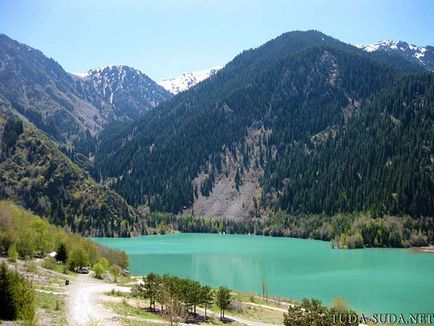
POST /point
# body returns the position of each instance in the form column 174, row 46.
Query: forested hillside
column 34, row 173
column 299, row 91
column 381, row 161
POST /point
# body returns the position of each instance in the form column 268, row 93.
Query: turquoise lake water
column 371, row 280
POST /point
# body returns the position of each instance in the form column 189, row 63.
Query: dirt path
column 84, row 302
column 265, row 306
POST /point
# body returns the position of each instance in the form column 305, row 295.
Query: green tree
column 223, row 300
column 342, row 314
column 308, row 313
column 237, row 180
column 206, row 297
column 17, row 296
column 8, row 311
column 62, row 253
column 150, row 288
column 78, row 258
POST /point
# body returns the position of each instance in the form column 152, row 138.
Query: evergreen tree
column 62, row 253
column 223, row 300
column 207, row 297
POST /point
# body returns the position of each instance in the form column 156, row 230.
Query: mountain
column 120, row 91
column 423, row 56
column 43, row 93
column 34, row 173
column 232, row 146
column 65, row 106
column 188, row 80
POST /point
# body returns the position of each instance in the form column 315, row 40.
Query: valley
column 255, row 173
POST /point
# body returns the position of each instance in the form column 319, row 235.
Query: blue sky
column 164, row 38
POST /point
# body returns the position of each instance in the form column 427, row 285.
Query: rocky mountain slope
column 188, row 80
column 120, row 92
column 423, row 55
column 65, row 106
column 41, row 91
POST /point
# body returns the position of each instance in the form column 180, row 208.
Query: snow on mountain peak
column 81, row 74
column 187, row 80
column 104, row 69
column 379, row 45
column 408, row 50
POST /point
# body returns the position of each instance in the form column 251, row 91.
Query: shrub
column 13, row 253
column 31, row 266
column 99, row 270
column 115, row 270
column 104, row 262
column 49, row 263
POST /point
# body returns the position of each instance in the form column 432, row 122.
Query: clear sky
column 164, row 38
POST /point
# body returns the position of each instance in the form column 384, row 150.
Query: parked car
column 125, row 272
column 82, row 270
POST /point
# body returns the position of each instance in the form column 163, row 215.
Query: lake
column 371, row 280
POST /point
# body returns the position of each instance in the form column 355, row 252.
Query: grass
column 125, row 309
column 129, row 322
column 128, row 312
column 255, row 298
column 51, row 308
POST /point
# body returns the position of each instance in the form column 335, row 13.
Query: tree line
column 25, row 235
column 344, row 230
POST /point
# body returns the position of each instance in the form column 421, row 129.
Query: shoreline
column 424, row 249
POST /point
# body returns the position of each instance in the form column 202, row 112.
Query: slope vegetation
column 34, row 173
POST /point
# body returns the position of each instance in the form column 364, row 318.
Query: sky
column 164, row 38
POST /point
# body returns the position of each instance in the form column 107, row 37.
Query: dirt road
column 84, row 302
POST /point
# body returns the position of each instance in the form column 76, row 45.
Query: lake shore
column 423, row 250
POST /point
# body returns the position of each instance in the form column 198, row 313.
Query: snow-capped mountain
column 419, row 54
column 187, row 80
column 120, row 91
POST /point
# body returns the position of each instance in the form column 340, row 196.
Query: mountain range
column 303, row 125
